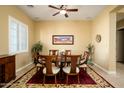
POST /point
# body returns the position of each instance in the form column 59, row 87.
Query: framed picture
column 63, row 39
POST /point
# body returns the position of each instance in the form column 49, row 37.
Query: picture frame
column 62, row 39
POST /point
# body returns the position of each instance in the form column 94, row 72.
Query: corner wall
column 104, row 54
column 22, row 59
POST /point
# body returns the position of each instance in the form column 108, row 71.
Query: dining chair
column 50, row 70
column 53, row 52
column 83, row 60
column 68, row 59
column 67, row 52
column 41, row 63
column 54, row 59
column 73, row 69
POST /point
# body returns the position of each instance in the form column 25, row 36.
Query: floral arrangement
column 90, row 48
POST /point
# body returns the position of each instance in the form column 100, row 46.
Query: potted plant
column 90, row 48
column 35, row 50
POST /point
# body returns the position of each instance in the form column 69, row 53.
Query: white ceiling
column 43, row 12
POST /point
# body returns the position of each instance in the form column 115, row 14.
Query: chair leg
column 78, row 79
column 55, row 80
column 55, row 64
column 59, row 74
column 67, row 79
column 37, row 69
column 69, row 64
column 44, row 80
column 86, row 69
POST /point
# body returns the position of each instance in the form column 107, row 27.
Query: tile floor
column 117, row 80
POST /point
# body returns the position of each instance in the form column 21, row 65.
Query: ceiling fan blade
column 61, row 6
column 66, row 15
column 54, row 7
column 72, row 10
column 56, row 13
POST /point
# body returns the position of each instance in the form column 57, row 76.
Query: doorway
column 120, row 44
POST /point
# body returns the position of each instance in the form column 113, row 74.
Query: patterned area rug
column 28, row 81
column 84, row 78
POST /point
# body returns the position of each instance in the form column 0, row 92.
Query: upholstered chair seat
column 83, row 66
column 55, row 70
column 39, row 65
column 68, row 69
column 83, row 61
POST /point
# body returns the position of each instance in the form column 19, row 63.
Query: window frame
column 19, row 50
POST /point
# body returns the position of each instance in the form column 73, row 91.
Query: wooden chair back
column 67, row 52
column 86, row 55
column 74, row 59
column 68, row 59
column 53, row 52
column 48, row 63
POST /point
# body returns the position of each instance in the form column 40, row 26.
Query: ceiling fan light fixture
column 31, row 6
column 63, row 12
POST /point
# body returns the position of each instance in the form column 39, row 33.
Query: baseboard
column 109, row 72
column 112, row 72
column 24, row 67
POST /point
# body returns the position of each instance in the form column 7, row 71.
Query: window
column 18, row 36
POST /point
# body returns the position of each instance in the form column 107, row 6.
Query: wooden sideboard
column 7, row 68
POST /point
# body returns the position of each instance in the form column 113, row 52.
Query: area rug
column 32, row 80
column 84, row 78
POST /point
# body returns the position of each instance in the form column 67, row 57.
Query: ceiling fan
column 62, row 10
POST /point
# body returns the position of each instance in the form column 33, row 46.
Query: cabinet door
column 9, row 70
column 12, row 60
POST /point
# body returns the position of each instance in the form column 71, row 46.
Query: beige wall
column 84, row 32
column 101, row 25
column 80, row 29
column 5, row 11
